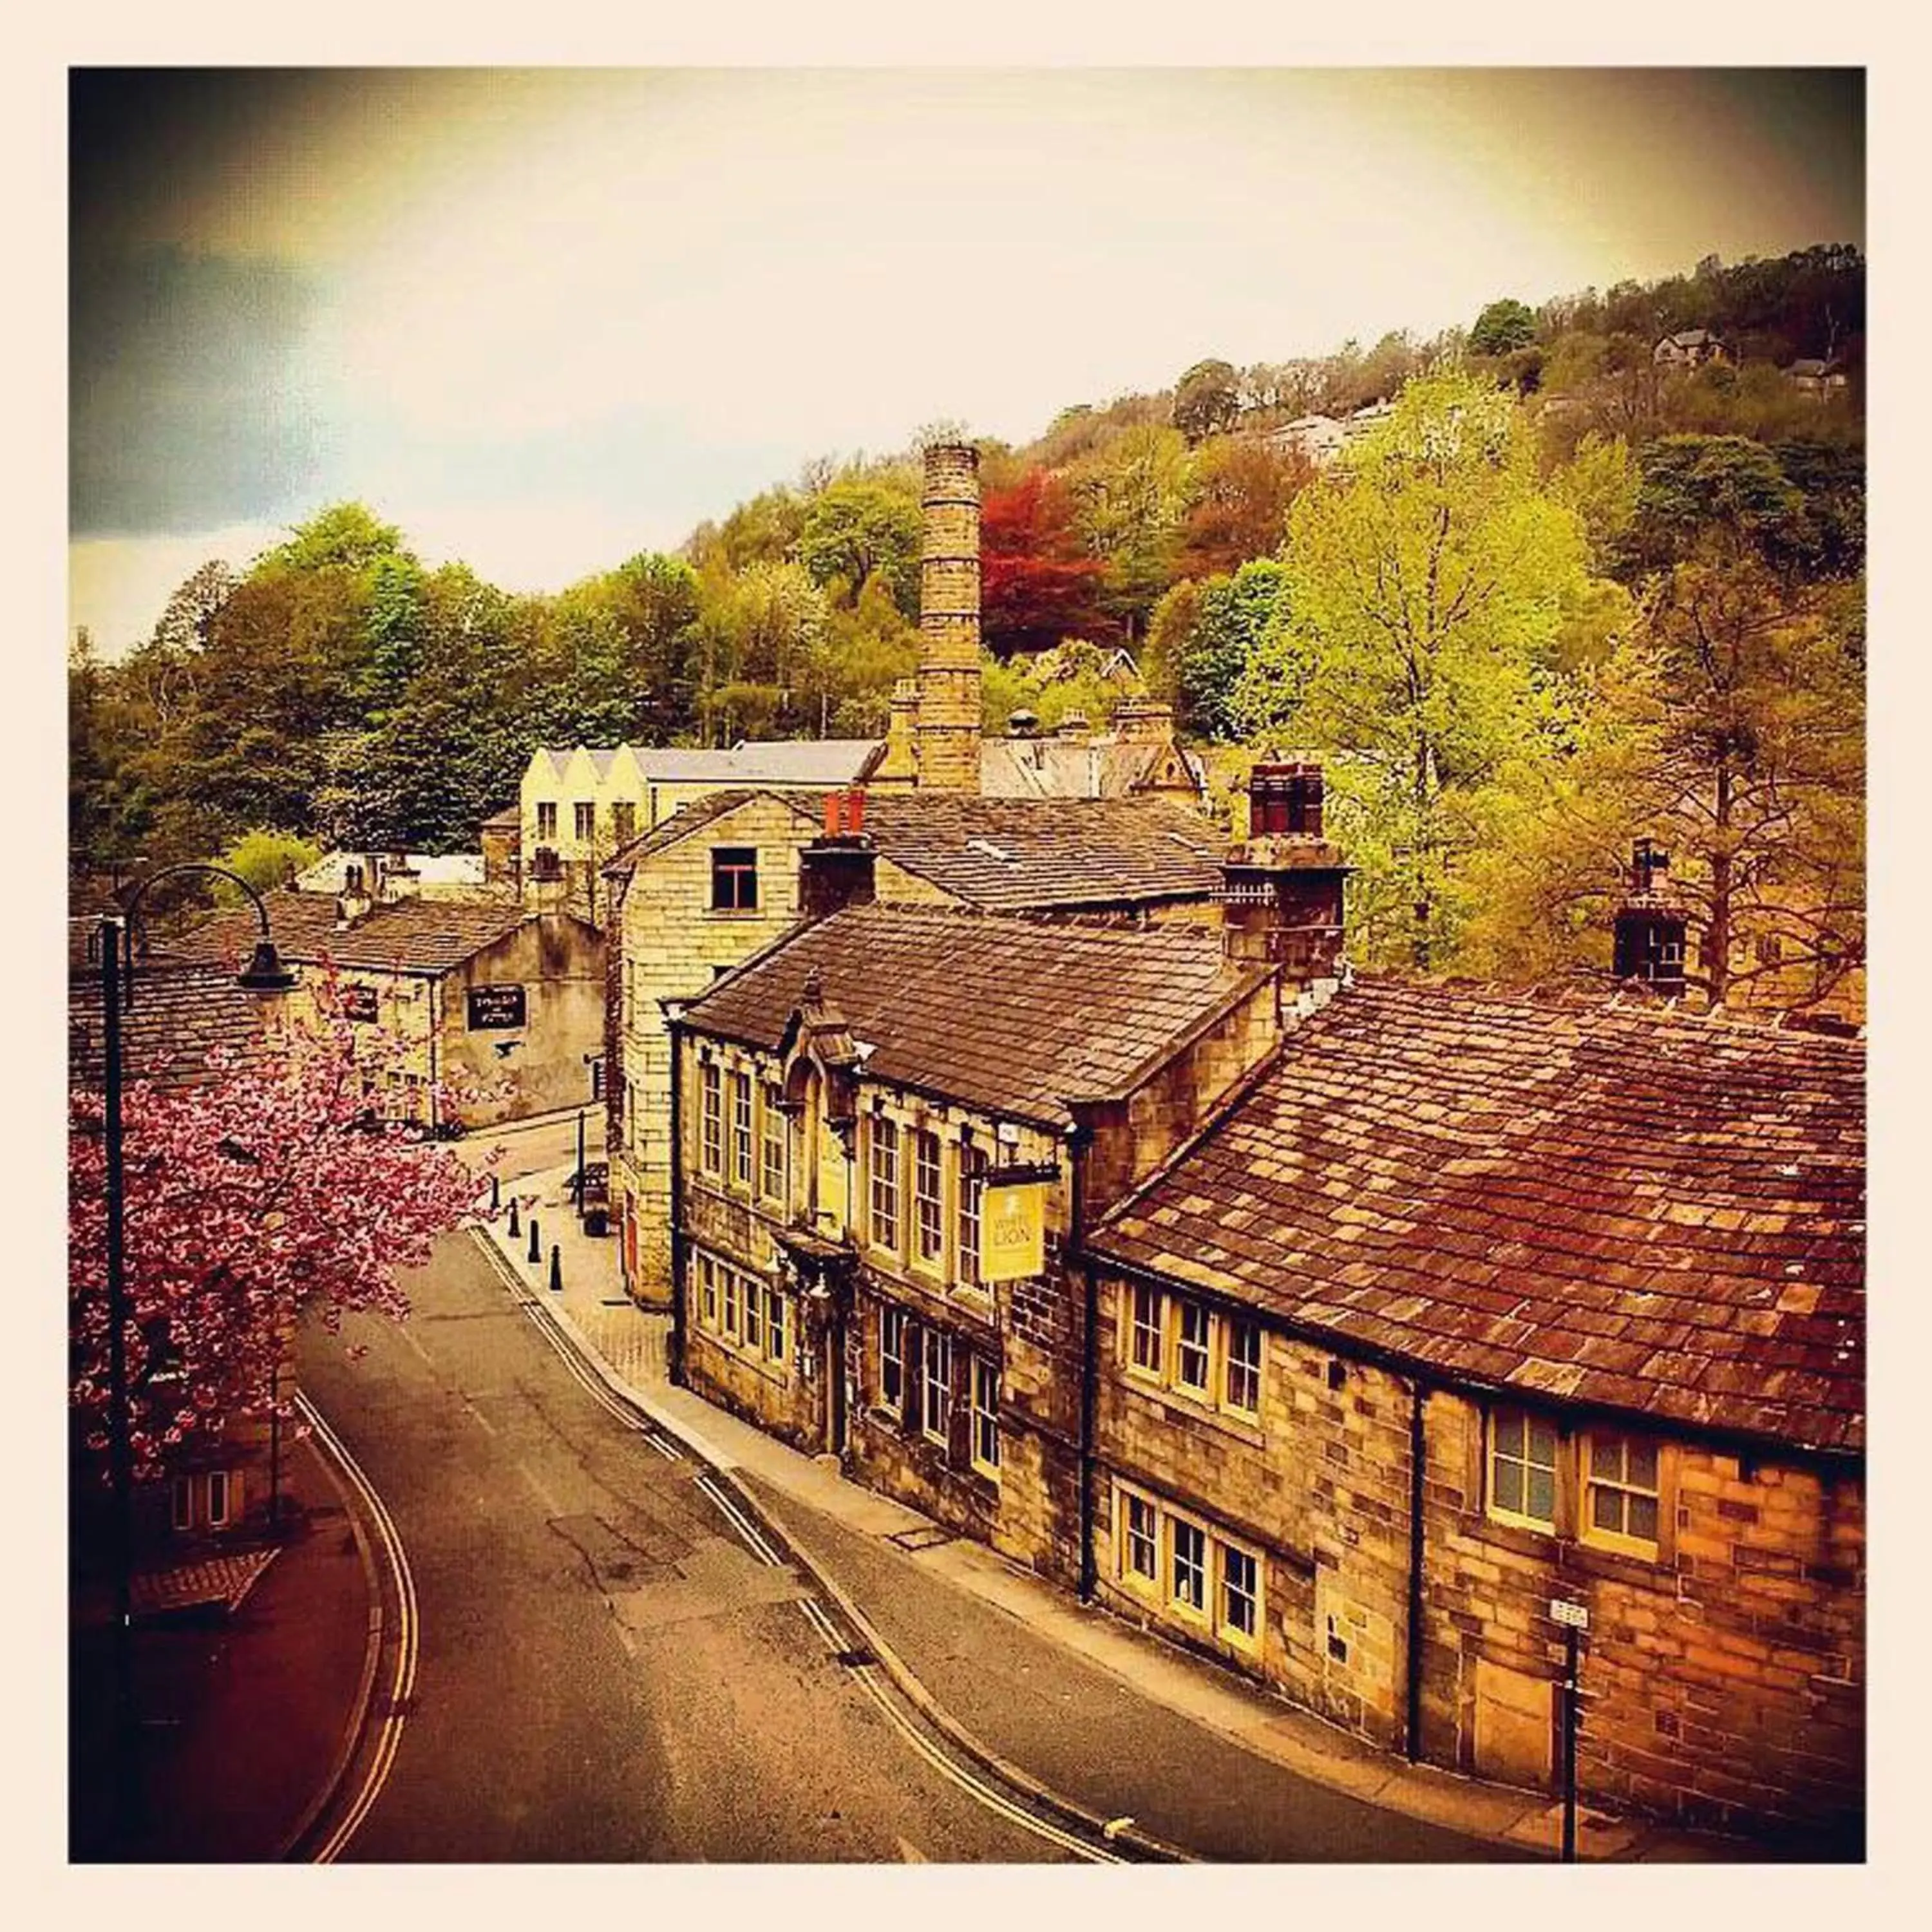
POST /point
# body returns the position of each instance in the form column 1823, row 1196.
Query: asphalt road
column 605, row 1670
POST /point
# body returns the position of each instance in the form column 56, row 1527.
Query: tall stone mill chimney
column 948, row 733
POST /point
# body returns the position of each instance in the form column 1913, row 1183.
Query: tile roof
column 431, row 936
column 1013, row 1016
column 1010, row 855
column 180, row 1015
column 1610, row 1205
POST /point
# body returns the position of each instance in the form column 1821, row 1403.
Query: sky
column 543, row 319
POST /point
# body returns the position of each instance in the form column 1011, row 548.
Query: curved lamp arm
column 264, row 973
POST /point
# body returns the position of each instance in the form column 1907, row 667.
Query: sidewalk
column 1113, row 1721
column 245, row 1716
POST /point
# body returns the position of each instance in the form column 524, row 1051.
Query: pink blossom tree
column 272, row 1188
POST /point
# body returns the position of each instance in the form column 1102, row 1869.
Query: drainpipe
column 673, row 1013
column 1417, row 1470
column 1090, row 1367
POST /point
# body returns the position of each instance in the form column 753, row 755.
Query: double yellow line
column 402, row 1684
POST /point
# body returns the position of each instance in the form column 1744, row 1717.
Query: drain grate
column 855, row 1658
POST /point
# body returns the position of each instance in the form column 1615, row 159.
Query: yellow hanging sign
column 1013, row 1230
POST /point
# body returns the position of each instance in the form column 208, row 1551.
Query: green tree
column 1207, row 399
column 1130, row 500
column 859, row 526
column 1426, row 593
column 1209, row 632
column 1504, row 325
column 266, row 859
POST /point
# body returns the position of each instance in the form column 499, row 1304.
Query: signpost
column 1575, row 1619
column 358, row 1003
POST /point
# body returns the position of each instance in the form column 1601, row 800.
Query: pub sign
column 495, row 1007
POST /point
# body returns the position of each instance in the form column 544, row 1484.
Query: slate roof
column 426, row 936
column 799, row 761
column 180, row 1015
column 693, row 818
column 1012, row 1016
column 432, row 869
column 1005, row 854
column 1067, row 768
column 1611, row 1205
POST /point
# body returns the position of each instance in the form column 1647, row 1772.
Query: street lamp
column 264, row 973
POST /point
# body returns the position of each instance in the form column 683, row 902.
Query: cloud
column 191, row 404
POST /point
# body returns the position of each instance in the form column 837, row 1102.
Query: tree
column 266, row 859
column 1503, row 326
column 1130, row 500
column 1719, row 496
column 1243, row 487
column 1426, row 591
column 1038, row 583
column 1207, row 399
column 860, row 526
column 261, row 1194
column 1208, row 635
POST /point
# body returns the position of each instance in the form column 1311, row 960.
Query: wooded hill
column 1660, row 626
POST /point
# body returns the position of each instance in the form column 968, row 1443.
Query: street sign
column 495, row 1006
column 1575, row 1616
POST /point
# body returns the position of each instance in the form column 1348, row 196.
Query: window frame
column 892, row 1327
column 742, row 1140
column 623, row 821
column 1233, row 1327
column 1145, row 1524
column 774, row 1148
column 935, row 1349
column 180, row 1503
column 1138, row 1328
column 1250, row 1638
column 546, row 821
column 1203, row 1611
column 708, row 1303
column 776, row 1324
column 1646, row 1549
column 1184, row 1307
column 734, row 878
column 711, row 1118
column 221, row 1517
column 929, row 1206
column 1530, row 1420
column 1135, row 1536
column 969, row 1209
column 583, row 821
column 982, row 1397
column 882, row 1183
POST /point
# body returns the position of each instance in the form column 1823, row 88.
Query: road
column 604, row 1670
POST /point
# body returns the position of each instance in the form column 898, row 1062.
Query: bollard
column 556, row 1269
column 516, row 1226
column 497, row 1196
column 536, row 1246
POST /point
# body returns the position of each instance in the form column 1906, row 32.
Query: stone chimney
column 354, row 901
column 1281, row 891
column 839, row 868
column 897, row 768
column 394, row 878
column 948, row 733
column 1650, row 926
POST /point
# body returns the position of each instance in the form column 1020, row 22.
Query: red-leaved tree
column 1038, row 585
column 269, row 1189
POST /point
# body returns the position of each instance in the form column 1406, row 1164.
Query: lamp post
column 264, row 973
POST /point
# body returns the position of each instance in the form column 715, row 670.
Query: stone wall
column 1725, row 1673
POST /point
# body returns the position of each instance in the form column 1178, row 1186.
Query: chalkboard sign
column 495, row 1006
column 358, row 1003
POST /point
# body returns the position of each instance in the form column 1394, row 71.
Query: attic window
column 991, row 850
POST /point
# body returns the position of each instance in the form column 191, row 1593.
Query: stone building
column 720, row 879
column 1365, row 1321
column 578, row 807
column 506, row 1003
column 1473, row 1303
column 894, row 1126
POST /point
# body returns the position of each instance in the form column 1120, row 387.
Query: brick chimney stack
column 840, row 868
column 949, row 621
column 1281, row 892
column 1650, row 926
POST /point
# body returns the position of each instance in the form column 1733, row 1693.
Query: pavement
column 248, row 1713
column 1086, row 1711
